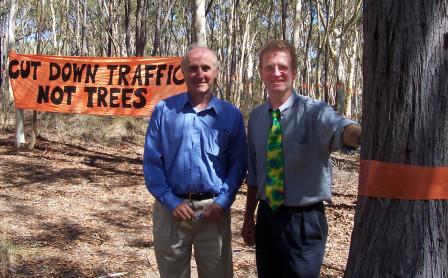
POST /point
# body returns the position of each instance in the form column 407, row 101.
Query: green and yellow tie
column 274, row 188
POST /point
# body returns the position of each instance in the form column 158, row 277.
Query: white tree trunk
column 199, row 22
column 351, row 90
column 297, row 33
column 20, row 133
column 340, row 74
column 242, row 63
column 53, row 28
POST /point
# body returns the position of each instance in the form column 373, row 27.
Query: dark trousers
column 290, row 241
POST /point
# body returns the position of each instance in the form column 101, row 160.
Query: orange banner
column 401, row 181
column 93, row 85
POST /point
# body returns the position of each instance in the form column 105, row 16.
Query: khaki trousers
column 173, row 241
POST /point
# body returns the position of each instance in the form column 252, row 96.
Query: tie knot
column 275, row 114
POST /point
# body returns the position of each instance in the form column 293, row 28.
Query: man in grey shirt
column 290, row 239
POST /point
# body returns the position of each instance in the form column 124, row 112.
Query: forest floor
column 81, row 209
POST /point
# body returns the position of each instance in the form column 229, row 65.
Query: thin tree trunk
column 325, row 44
column 110, row 30
column 268, row 32
column 157, row 30
column 230, row 48
column 84, row 29
column 341, row 95
column 53, row 28
column 199, row 22
column 40, row 28
column 127, row 29
column 306, row 63
column 20, row 132
column 296, row 38
column 141, row 18
column 242, row 61
column 284, row 17
column 319, row 52
column 234, row 54
column 351, row 90
column 78, row 29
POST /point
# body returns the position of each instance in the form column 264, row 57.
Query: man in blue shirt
column 194, row 163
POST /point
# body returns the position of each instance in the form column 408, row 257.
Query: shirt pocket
column 218, row 142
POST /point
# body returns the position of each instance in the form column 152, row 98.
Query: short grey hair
column 197, row 45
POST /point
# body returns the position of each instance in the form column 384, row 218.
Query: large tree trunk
column 405, row 112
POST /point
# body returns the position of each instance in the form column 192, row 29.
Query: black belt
column 197, row 196
column 316, row 206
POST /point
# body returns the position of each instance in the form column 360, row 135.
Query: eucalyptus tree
column 401, row 220
column 20, row 132
column 200, row 35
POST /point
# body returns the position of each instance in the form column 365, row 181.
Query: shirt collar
column 288, row 103
column 212, row 103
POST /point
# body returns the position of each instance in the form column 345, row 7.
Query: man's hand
column 213, row 212
column 248, row 231
column 351, row 136
column 183, row 212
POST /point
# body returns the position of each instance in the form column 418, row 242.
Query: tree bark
column 141, row 18
column 127, row 29
column 157, row 30
column 243, row 60
column 405, row 112
column 20, row 132
column 38, row 50
column 110, row 30
column 306, row 63
column 199, row 22
column 53, row 29
column 296, row 37
column 284, row 17
column 83, row 30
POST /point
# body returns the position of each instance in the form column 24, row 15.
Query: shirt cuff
column 223, row 201
column 170, row 201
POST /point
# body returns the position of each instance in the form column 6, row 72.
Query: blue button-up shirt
column 188, row 151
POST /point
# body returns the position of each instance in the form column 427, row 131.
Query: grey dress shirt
column 311, row 130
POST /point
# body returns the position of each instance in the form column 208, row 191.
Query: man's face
column 277, row 73
column 200, row 70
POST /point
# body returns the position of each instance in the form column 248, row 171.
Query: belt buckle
column 191, row 195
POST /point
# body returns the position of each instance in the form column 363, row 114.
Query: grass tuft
column 7, row 257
